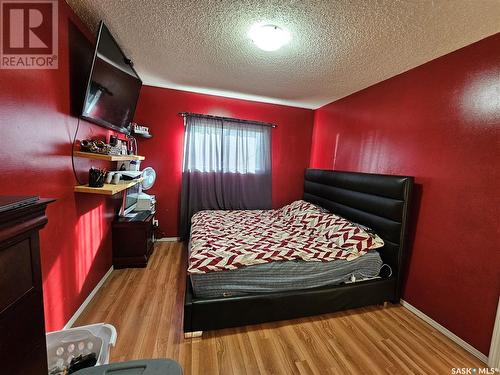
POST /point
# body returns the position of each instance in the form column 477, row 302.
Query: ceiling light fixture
column 268, row 37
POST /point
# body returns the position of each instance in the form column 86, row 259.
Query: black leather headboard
column 380, row 202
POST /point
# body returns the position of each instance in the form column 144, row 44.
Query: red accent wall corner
column 439, row 122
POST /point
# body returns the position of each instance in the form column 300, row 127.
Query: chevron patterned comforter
column 227, row 240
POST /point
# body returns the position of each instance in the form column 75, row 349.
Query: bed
column 242, row 296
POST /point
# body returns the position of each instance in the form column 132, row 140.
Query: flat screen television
column 113, row 86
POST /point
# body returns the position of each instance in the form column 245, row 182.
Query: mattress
column 284, row 276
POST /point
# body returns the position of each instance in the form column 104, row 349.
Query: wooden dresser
column 22, row 326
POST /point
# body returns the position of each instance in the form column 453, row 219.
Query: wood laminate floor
column 146, row 306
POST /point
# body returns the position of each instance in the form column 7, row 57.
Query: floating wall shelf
column 142, row 135
column 107, row 189
column 91, row 155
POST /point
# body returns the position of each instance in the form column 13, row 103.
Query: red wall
column 439, row 122
column 158, row 108
column 35, row 148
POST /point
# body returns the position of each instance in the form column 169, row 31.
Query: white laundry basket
column 63, row 346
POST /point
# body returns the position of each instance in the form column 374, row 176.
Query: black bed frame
column 380, row 202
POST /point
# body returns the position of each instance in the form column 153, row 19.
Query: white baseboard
column 494, row 355
column 78, row 312
column 168, row 239
column 457, row 340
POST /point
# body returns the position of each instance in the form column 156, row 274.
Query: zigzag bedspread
column 228, row 240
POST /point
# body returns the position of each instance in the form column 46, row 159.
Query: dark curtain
column 227, row 166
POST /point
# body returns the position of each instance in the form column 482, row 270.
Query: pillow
column 328, row 227
column 346, row 234
column 324, row 226
column 298, row 208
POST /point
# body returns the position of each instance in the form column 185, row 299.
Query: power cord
column 73, row 153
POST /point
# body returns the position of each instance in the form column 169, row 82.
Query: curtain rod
column 185, row 114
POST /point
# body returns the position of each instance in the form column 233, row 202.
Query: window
column 213, row 145
column 227, row 166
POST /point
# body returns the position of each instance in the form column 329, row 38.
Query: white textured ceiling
column 338, row 46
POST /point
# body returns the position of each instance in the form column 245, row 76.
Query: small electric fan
column 149, row 177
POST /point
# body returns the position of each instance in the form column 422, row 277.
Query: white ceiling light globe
column 268, row 37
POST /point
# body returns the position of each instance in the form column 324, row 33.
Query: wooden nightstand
column 133, row 240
